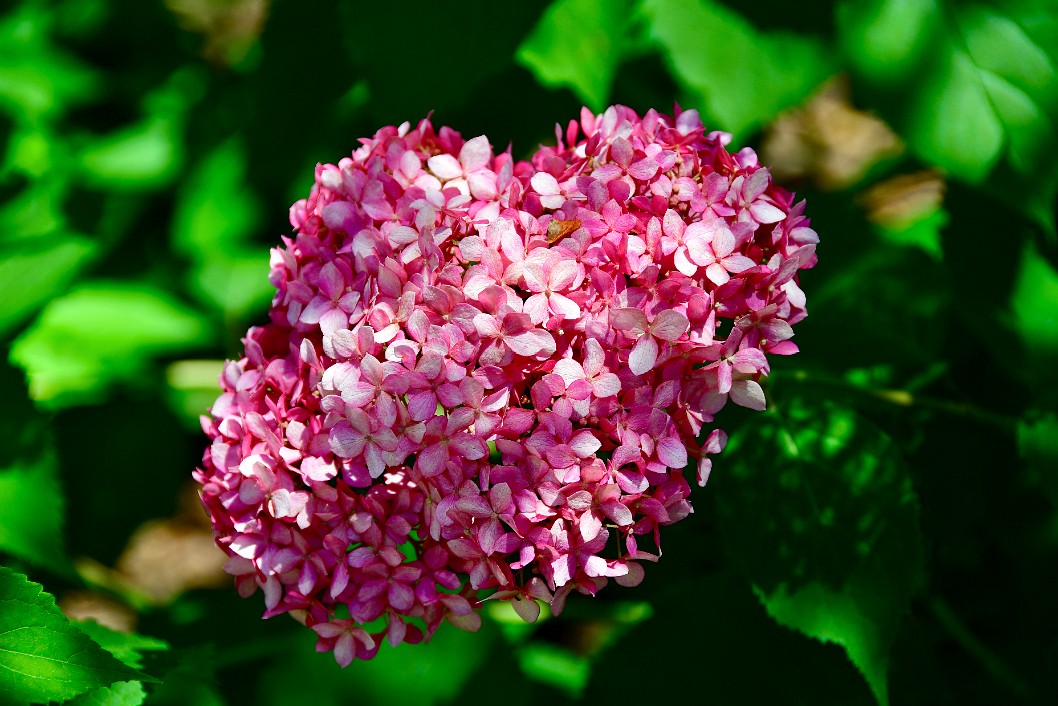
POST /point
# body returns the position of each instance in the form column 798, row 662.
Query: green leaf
column 235, row 283
column 36, row 211
column 1038, row 445
column 970, row 146
column 216, row 207
column 144, row 155
column 922, row 232
column 37, row 80
column 101, row 333
column 44, row 657
column 34, row 271
column 743, row 77
column 424, row 674
column 819, row 510
column 122, row 693
column 578, row 44
column 128, row 648
column 975, row 87
column 216, row 212
column 886, row 39
column 32, row 518
column 556, row 666
column 1033, row 303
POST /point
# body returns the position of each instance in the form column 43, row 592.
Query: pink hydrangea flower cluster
column 485, row 377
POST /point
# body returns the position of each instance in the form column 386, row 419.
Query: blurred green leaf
column 886, row 39
column 974, row 83
column 1034, row 301
column 32, row 517
column 100, row 333
column 35, row 211
column 424, row 674
column 556, row 666
column 579, row 44
column 37, row 80
column 235, row 283
column 122, row 693
column 216, row 212
column 889, row 304
column 215, row 207
column 43, row 656
column 820, row 511
column 743, row 77
column 144, row 155
column 1038, row 445
column 922, row 233
column 34, row 271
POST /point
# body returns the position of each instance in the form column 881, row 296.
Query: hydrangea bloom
column 485, row 377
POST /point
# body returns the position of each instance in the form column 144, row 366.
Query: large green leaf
column 34, row 271
column 742, row 77
column 971, row 86
column 819, row 510
column 579, row 44
column 101, row 333
column 43, row 656
column 129, row 648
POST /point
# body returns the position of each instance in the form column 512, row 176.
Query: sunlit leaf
column 34, row 271
column 123, row 693
column 235, row 282
column 743, row 77
column 128, row 648
column 820, row 511
column 44, row 657
column 555, row 666
column 922, row 233
column 976, row 85
column 578, row 44
column 885, row 39
column 101, row 333
column 142, row 156
column 1035, row 304
column 215, row 208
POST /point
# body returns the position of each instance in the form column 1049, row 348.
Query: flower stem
column 996, row 667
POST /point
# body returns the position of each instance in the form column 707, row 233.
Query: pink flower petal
column 643, row 356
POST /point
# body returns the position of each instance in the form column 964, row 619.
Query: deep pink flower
column 478, row 372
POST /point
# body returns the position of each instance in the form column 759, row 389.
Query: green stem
column 993, row 663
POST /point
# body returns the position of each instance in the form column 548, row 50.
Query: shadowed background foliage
column 886, row 533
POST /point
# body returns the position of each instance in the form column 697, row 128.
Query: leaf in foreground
column 821, row 514
column 43, row 656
